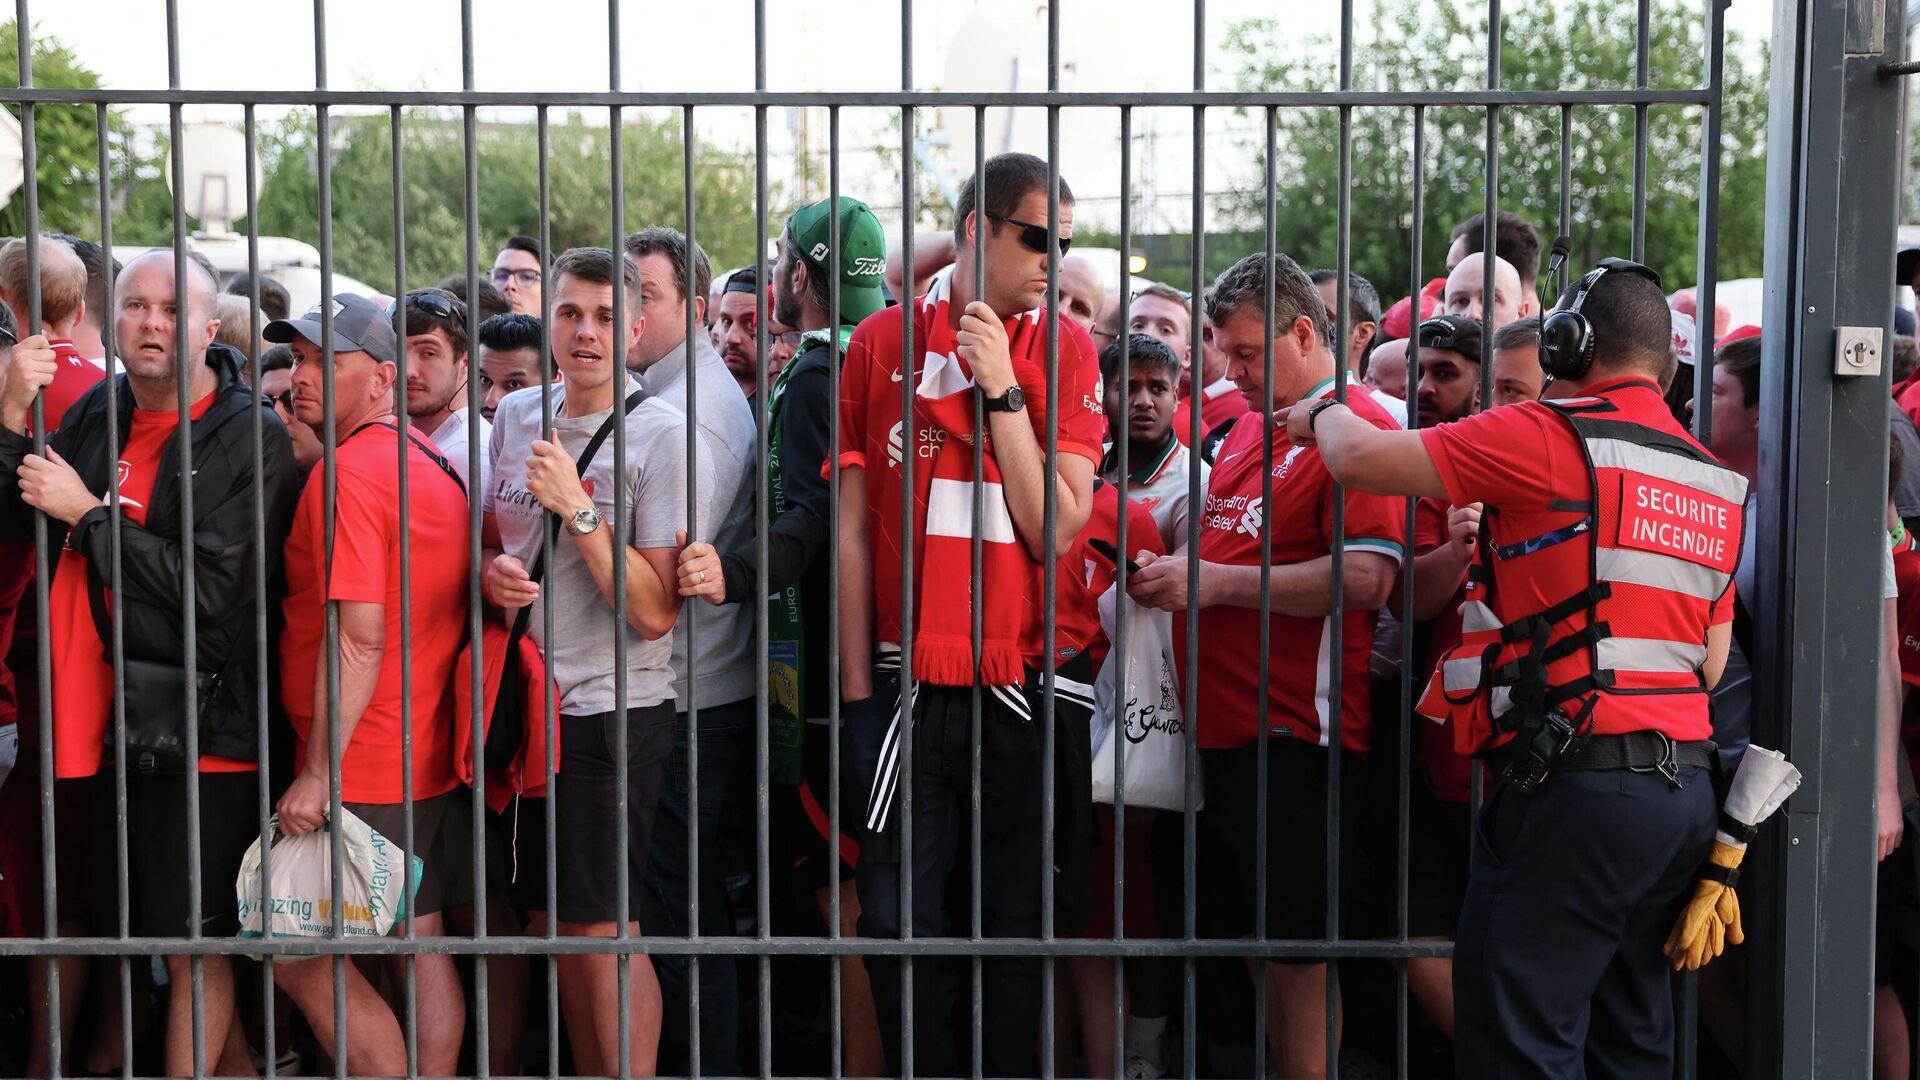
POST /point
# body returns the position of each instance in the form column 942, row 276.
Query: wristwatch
column 1313, row 414
column 1012, row 401
column 584, row 522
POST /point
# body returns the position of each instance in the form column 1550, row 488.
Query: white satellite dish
column 215, row 164
column 13, row 166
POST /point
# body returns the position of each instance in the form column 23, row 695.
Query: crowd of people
column 609, row 463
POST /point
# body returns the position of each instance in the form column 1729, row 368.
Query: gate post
column 1833, row 165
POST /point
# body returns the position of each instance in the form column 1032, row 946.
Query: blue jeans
column 726, row 747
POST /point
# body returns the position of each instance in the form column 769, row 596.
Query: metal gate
column 1830, row 199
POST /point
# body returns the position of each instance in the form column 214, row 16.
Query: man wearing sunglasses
column 517, row 273
column 987, row 351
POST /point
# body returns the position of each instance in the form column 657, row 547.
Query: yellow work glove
column 1711, row 920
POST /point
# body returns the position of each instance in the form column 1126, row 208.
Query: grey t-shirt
column 580, row 648
column 723, row 656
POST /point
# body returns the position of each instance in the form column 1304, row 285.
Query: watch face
column 1015, row 398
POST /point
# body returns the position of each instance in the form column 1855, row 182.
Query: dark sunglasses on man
column 1033, row 237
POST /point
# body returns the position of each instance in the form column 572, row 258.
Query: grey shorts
column 441, row 837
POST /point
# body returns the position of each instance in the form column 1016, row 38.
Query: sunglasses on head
column 432, row 303
column 1033, row 237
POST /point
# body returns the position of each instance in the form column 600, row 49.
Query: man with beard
column 799, row 424
column 1449, row 369
column 735, row 327
column 437, row 381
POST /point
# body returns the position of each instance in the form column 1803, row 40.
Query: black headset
column 1566, row 337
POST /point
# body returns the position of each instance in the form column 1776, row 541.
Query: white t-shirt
column 450, row 438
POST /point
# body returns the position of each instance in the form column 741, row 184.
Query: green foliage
column 67, row 150
column 507, row 174
column 1440, row 45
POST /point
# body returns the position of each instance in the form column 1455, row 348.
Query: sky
column 814, row 45
column 561, row 45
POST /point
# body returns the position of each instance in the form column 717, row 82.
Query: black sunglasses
column 1034, row 237
column 432, row 303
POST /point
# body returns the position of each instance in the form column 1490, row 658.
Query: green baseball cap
column 863, row 252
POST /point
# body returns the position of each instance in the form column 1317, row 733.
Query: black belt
column 1639, row 751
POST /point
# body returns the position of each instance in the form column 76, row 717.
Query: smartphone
column 1109, row 552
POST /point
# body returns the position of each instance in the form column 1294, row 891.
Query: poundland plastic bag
column 379, row 879
column 1142, row 704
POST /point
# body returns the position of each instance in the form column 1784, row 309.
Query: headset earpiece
column 1566, row 337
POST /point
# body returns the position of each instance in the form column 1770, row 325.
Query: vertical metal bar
column 116, row 646
column 263, row 659
column 1050, row 512
column 1120, row 613
column 978, row 630
column 1337, row 622
column 409, row 991
column 1196, row 495
column 624, row 840
column 42, row 555
column 550, row 707
column 482, row 968
column 688, row 613
column 1641, row 46
column 1403, row 841
column 1707, row 247
column 763, row 803
column 832, row 867
column 910, row 450
column 1262, row 708
column 1566, row 174
column 183, row 443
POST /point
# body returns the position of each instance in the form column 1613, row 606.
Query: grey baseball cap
column 359, row 325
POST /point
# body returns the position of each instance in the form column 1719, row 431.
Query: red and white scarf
column 1011, row 578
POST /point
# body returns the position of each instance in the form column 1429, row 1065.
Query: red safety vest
column 1640, row 573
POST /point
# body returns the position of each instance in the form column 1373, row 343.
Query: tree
column 1581, row 44
column 507, row 172
column 66, row 140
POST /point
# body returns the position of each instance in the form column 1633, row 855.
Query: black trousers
column 1558, row 969
column 1012, row 824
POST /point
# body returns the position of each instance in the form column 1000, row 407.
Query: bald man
column 1081, row 295
column 1387, row 368
column 1510, row 300
column 69, row 484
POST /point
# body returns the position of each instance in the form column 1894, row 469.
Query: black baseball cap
column 1452, row 333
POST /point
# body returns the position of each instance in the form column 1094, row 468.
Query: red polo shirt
column 1300, row 690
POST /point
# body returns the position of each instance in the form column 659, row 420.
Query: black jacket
column 226, row 664
column 799, row 540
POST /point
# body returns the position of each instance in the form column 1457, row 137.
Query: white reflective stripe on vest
column 1460, row 674
column 1476, row 617
column 1659, row 572
column 1649, row 654
column 1717, row 481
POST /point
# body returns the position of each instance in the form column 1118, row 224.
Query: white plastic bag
column 1150, row 721
column 379, row 880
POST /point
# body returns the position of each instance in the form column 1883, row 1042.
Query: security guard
column 1603, row 614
